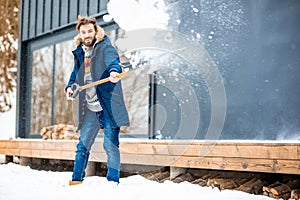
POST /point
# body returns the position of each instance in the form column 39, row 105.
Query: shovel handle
column 84, row 87
column 76, row 88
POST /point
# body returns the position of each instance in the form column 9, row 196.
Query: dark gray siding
column 47, row 15
column 41, row 17
column 25, row 18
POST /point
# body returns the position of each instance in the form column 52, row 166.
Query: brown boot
column 75, row 182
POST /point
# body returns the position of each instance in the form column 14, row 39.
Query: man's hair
column 82, row 20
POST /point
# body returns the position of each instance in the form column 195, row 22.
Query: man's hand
column 69, row 93
column 114, row 77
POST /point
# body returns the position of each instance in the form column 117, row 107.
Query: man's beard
column 88, row 43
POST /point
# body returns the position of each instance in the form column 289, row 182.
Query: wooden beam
column 221, row 155
column 238, row 150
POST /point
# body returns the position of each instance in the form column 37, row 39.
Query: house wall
column 255, row 46
column 45, row 23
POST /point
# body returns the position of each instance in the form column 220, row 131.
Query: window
column 41, row 96
column 51, row 67
column 64, row 111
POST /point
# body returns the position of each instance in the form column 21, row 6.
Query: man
column 101, row 106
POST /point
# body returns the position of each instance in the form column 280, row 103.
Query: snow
column 8, row 121
column 132, row 14
column 21, row 182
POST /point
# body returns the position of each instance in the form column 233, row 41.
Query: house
column 250, row 49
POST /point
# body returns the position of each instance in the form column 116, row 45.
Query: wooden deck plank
column 68, row 155
column 26, row 153
column 239, row 156
column 24, row 145
column 240, row 164
column 230, row 150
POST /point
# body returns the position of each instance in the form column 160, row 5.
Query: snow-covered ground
column 20, row 182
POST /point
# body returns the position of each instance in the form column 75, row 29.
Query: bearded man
column 102, row 106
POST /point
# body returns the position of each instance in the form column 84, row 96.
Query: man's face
column 87, row 33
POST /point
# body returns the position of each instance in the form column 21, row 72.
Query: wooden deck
column 270, row 157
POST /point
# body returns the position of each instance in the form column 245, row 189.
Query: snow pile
column 19, row 182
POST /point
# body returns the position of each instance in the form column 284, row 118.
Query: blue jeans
column 88, row 132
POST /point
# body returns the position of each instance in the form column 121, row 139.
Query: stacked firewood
column 59, row 132
column 253, row 185
column 283, row 190
column 158, row 176
column 249, row 185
